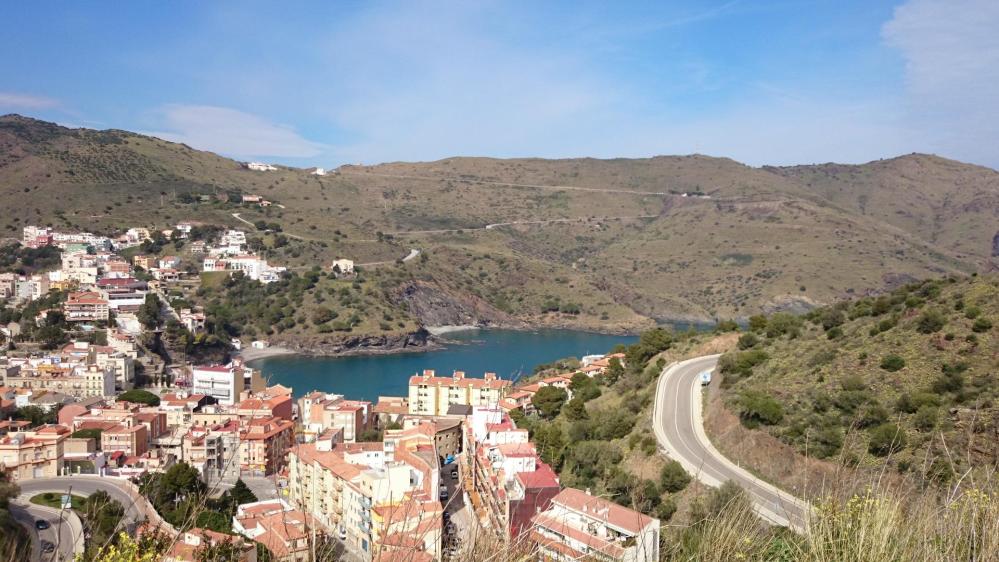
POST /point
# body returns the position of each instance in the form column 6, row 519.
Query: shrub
column 981, row 325
column 748, row 340
column 910, row 403
column 886, row 439
column 759, row 408
column 742, row 362
column 925, row 418
column 549, row 400
column 872, row 415
column 892, row 363
column 673, row 478
column 930, row 321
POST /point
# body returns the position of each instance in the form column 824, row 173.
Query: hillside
column 595, row 244
column 905, row 380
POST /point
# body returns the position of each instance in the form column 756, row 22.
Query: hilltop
column 595, row 244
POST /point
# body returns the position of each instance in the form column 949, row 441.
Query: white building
column 260, row 167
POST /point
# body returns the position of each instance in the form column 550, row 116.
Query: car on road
column 47, row 547
column 42, row 524
column 443, row 494
column 343, row 534
column 454, row 474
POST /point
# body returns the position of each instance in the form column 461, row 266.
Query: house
column 144, row 261
column 225, row 383
column 342, row 267
column 194, row 321
column 260, row 167
column 578, row 526
column 192, row 545
column 285, row 531
column 169, row 262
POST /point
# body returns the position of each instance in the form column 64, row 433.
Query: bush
column 748, row 340
column 886, row 439
column 981, row 325
column 575, row 409
column 872, row 415
column 673, row 478
column 742, row 362
column 930, row 321
column 925, row 418
column 892, row 363
column 910, row 403
column 759, row 408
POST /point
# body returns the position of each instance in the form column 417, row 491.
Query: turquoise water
column 508, row 353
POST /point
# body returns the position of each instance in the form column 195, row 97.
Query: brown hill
column 609, row 243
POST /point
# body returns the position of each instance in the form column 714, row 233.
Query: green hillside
column 596, row 244
column 908, row 376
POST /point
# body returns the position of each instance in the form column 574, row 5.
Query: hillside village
column 87, row 390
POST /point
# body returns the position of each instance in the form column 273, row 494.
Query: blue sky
column 323, row 83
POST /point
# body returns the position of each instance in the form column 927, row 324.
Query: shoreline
column 440, row 330
column 252, row 354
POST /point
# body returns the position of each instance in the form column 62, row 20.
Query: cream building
column 431, row 395
column 25, row 455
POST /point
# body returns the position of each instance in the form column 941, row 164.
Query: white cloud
column 951, row 53
column 26, row 101
column 231, row 132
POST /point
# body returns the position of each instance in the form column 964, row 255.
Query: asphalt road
column 65, row 531
column 679, row 429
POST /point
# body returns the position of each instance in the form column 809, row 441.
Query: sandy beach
column 438, row 330
column 251, row 353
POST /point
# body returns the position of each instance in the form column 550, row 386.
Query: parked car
column 454, row 474
column 443, row 494
column 342, row 534
column 47, row 547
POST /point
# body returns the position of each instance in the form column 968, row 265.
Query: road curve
column 137, row 508
column 679, row 429
column 65, row 532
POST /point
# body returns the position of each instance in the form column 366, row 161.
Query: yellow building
column 431, row 395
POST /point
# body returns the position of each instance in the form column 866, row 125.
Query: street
column 679, row 429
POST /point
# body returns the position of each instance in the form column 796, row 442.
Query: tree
column 575, row 409
column 139, row 396
column 36, row 415
column 615, row 370
column 673, row 478
column 548, row 400
column 149, row 313
column 241, row 493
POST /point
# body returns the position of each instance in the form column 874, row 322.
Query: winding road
column 66, row 531
column 679, row 429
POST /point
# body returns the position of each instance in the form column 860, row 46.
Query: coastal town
column 88, row 396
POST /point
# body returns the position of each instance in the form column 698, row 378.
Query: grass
column 54, row 500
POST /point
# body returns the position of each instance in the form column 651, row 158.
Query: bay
column 508, row 353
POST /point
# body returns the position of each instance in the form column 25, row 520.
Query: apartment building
column 264, row 444
column 25, row 455
column 320, row 412
column 82, row 381
column 578, row 526
column 213, row 450
column 511, row 482
column 431, row 395
column 225, row 383
column 130, row 440
column 87, row 306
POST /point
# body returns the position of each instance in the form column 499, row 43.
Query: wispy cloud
column 12, row 100
column 951, row 53
column 231, row 132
